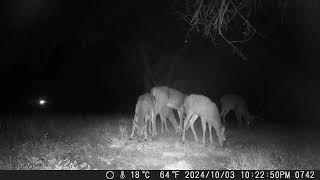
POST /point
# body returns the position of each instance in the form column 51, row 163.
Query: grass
column 121, row 140
column 271, row 151
column 101, row 142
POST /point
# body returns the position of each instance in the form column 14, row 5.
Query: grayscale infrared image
column 161, row 85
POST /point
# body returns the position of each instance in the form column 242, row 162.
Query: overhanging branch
column 220, row 20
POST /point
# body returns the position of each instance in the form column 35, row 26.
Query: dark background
column 85, row 57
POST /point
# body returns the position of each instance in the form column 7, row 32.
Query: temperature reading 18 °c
column 140, row 174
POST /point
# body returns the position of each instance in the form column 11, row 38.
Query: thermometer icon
column 122, row 176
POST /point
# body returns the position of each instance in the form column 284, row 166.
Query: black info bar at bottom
column 162, row 174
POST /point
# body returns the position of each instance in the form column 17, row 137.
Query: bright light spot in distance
column 42, row 102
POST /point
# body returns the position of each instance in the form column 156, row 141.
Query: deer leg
column 193, row 118
column 145, row 132
column 222, row 115
column 219, row 131
column 173, row 121
column 204, row 128
column 157, row 111
column 225, row 113
column 186, row 121
column 145, row 127
column 210, row 127
column 153, row 122
column 149, row 127
column 163, row 119
column 188, row 126
column 165, row 124
column 180, row 114
column 132, row 132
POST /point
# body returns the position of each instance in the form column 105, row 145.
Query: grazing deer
column 234, row 102
column 171, row 98
column 201, row 106
column 167, row 113
column 144, row 114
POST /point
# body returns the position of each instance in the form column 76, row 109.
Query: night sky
column 88, row 57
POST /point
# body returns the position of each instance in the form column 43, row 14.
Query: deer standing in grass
column 171, row 98
column 234, row 102
column 144, row 114
column 201, row 106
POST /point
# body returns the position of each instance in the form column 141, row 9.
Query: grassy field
column 98, row 142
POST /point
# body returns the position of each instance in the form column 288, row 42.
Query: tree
column 219, row 20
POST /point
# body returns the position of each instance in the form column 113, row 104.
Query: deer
column 167, row 113
column 144, row 114
column 234, row 102
column 171, row 98
column 197, row 105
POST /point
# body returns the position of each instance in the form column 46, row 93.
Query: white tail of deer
column 171, row 98
column 201, row 106
column 234, row 102
column 144, row 114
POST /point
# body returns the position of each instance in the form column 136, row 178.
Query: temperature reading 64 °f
column 140, row 174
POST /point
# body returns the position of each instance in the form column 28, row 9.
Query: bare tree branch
column 217, row 18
